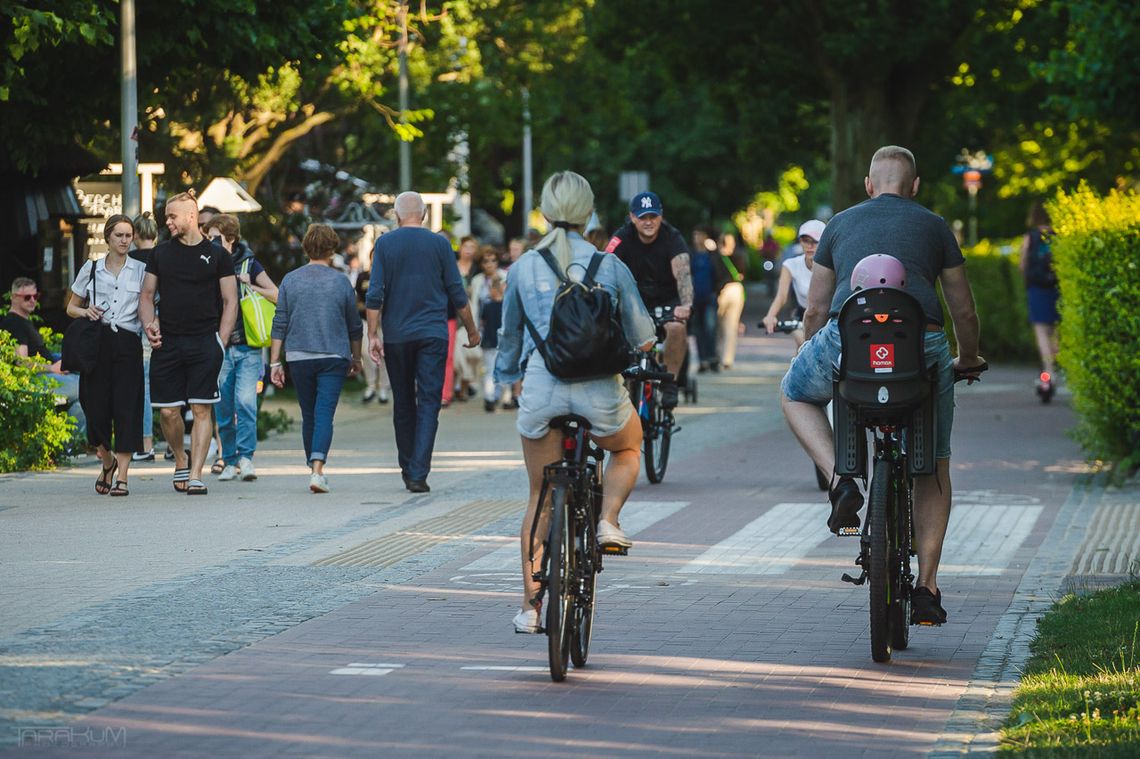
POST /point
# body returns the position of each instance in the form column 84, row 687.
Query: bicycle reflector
column 569, row 443
column 1045, row 377
column 882, row 318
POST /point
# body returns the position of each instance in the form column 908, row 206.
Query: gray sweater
column 316, row 312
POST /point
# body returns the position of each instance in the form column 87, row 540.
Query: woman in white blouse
column 107, row 291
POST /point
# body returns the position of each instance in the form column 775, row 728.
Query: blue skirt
column 1043, row 305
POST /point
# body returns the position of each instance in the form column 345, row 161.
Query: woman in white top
column 796, row 272
column 107, row 291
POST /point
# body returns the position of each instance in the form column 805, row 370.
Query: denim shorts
column 604, row 402
column 808, row 379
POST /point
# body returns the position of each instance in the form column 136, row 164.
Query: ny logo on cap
column 646, row 202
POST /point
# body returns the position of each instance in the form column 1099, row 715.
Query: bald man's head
column 410, row 209
column 893, row 170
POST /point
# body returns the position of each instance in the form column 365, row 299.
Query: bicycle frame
column 571, row 495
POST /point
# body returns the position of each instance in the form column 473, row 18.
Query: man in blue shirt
column 414, row 276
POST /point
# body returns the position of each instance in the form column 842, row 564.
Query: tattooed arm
column 683, row 275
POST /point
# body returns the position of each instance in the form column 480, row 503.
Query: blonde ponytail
column 567, row 202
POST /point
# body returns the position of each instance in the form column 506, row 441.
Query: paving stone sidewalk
column 726, row 632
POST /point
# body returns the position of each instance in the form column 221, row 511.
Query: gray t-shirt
column 897, row 227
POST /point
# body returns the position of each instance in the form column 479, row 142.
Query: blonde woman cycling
column 567, row 202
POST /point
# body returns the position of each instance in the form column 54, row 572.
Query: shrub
column 1096, row 254
column 999, row 293
column 34, row 434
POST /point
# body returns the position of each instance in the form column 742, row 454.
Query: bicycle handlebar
column 643, row 375
column 787, row 326
column 970, row 373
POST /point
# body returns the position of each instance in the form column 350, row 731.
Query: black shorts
column 185, row 370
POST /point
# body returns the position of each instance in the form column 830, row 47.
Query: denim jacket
column 531, row 287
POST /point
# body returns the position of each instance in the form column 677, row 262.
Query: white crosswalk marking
column 983, row 537
column 768, row 545
column 362, row 668
column 635, row 517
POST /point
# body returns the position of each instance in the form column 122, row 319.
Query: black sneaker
column 926, row 607
column 489, row 406
column 669, row 395
column 846, row 500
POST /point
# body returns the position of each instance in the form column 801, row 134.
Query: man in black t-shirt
column 658, row 258
column 196, row 282
column 18, row 323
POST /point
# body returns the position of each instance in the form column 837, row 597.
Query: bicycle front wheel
column 559, row 584
column 582, row 618
column 878, row 569
column 657, row 438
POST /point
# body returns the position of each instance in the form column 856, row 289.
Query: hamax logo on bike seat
column 884, row 394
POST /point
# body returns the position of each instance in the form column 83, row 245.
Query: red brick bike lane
column 726, row 632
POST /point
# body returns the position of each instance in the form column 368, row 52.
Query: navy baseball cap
column 645, row 203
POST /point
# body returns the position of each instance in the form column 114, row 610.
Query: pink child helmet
column 878, row 270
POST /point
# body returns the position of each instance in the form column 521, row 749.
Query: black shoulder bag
column 80, row 349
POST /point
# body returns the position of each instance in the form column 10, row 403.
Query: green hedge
column 1096, row 254
column 999, row 293
column 34, row 434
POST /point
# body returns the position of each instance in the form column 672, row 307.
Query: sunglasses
column 35, row 296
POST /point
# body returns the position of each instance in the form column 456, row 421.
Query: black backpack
column 1039, row 264
column 586, row 340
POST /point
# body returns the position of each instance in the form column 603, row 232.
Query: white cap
column 812, row 228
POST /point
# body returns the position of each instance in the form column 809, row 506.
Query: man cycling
column 658, row 257
column 891, row 223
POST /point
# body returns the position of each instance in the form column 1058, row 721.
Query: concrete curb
column 974, row 727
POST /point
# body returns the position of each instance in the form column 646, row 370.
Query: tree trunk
column 254, row 176
column 860, row 125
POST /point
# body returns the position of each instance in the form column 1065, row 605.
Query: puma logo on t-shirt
column 205, row 258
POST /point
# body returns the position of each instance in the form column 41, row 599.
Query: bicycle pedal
column 849, row 532
column 862, row 578
column 613, row 550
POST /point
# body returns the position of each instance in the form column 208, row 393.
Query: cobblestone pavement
column 265, row 621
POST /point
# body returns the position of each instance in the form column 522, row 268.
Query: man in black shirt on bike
column 658, row 257
column 890, row 222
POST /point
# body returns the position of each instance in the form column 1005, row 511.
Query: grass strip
column 1080, row 692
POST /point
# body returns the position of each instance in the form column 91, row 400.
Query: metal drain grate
column 394, row 548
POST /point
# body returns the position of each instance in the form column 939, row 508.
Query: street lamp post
column 528, row 168
column 129, row 115
column 405, row 146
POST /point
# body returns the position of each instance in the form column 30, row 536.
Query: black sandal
column 103, row 483
column 196, row 487
column 120, row 488
column 181, row 477
column 218, row 466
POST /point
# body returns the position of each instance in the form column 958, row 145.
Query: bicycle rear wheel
column 582, row 617
column 657, row 439
column 559, row 585
column 878, row 565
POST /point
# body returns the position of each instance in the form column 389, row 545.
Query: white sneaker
column 318, row 483
column 526, row 622
column 612, row 535
column 228, row 473
column 382, row 395
column 248, row 471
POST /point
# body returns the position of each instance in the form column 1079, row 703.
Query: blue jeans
column 415, row 369
column 237, row 407
column 703, row 326
column 318, row 382
column 68, row 385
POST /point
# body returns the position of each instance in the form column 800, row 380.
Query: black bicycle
column 643, row 380
column 571, row 556
column 884, row 385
